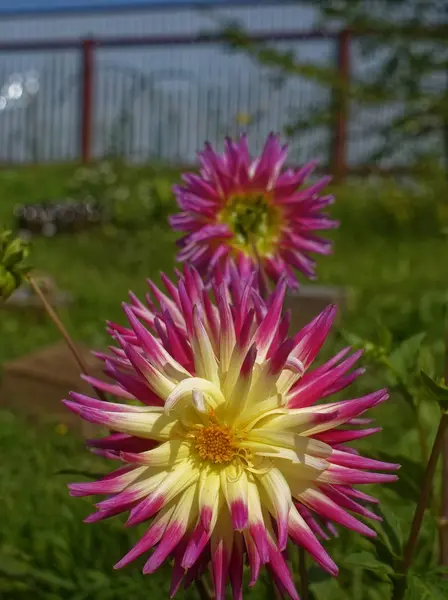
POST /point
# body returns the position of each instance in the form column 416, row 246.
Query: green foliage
column 128, row 197
column 438, row 391
column 13, row 263
column 392, row 207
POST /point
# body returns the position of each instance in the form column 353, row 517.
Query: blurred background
column 103, row 104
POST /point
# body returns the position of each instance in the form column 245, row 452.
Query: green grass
column 45, row 550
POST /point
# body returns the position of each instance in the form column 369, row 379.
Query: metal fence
column 159, row 97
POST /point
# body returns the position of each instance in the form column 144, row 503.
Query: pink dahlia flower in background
column 230, row 453
column 251, row 212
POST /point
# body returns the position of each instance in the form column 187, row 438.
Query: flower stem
column 422, row 504
column 303, row 575
column 63, row 331
column 443, row 525
column 264, row 279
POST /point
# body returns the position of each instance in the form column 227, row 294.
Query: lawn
column 397, row 280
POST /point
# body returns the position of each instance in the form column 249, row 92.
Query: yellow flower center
column 253, row 220
column 215, row 443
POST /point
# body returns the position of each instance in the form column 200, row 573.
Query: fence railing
column 159, row 97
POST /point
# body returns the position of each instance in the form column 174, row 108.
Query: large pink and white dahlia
column 229, row 455
column 248, row 211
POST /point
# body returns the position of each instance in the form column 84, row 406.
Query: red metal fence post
column 341, row 106
column 87, row 83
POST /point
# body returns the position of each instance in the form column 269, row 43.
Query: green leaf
column 410, row 475
column 388, row 542
column 385, row 337
column 435, row 390
column 426, row 586
column 392, row 527
column 405, row 357
column 52, row 580
column 367, row 561
column 328, row 588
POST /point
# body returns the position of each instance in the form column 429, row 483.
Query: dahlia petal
column 154, row 425
column 200, row 186
column 184, row 391
column 221, row 551
column 183, row 221
column 198, row 540
column 299, row 420
column 186, row 307
column 306, row 243
column 206, row 365
column 136, row 387
column 239, row 376
column 317, row 223
column 94, row 403
column 327, row 508
column 109, row 388
column 343, row 382
column 358, row 495
column 227, row 333
column 121, row 442
column 180, row 347
column 174, row 532
column 234, row 486
column 257, row 527
column 281, row 571
column 311, row 521
column 220, row 567
column 268, row 328
column 236, row 568
column 343, row 500
column 345, row 435
column 313, row 387
column 111, row 485
column 101, row 515
column 178, row 571
column 272, row 157
column 165, row 455
column 309, row 341
column 279, row 495
column 197, row 570
column 351, row 460
column 209, row 232
column 159, row 383
column 345, row 411
column 132, row 494
column 154, row 349
column 336, row 474
column 219, row 254
column 165, row 301
column 300, row 261
column 290, row 180
column 211, row 320
column 175, row 482
column 152, row 537
column 288, row 440
column 209, row 497
column 278, row 359
column 302, row 535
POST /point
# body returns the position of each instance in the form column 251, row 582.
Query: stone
column 310, row 300
column 35, row 384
